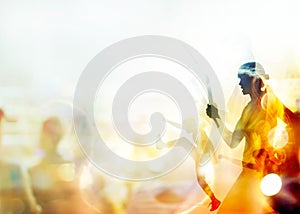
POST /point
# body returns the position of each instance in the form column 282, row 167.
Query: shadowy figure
column 15, row 192
column 53, row 180
column 259, row 116
column 201, row 146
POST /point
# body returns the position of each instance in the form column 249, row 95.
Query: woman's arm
column 232, row 139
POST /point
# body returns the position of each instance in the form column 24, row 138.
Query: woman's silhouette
column 259, row 116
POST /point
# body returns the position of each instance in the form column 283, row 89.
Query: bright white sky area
column 45, row 45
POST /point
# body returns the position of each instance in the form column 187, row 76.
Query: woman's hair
column 253, row 69
column 257, row 73
column 259, row 84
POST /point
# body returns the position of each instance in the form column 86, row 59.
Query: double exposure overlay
column 149, row 107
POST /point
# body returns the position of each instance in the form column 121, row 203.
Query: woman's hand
column 212, row 111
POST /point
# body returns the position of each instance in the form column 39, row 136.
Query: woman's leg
column 215, row 203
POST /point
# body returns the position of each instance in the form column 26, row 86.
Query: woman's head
column 252, row 77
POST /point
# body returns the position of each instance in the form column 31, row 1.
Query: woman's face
column 246, row 83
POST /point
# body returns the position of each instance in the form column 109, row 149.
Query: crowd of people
column 59, row 185
column 54, row 184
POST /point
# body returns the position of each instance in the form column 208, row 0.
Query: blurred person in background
column 16, row 195
column 53, row 179
column 171, row 197
column 102, row 192
column 202, row 147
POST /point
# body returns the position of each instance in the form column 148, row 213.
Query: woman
column 54, row 181
column 258, row 117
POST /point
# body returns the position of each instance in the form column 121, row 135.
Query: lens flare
column 271, row 184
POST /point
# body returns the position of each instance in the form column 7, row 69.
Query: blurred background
column 44, row 47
